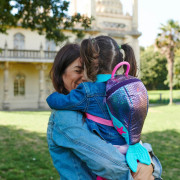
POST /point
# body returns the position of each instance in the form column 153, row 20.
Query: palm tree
column 167, row 42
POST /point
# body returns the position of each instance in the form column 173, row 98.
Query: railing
column 27, row 54
column 50, row 54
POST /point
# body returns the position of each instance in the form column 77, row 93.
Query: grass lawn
column 162, row 96
column 24, row 153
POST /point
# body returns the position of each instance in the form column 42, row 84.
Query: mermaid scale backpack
column 127, row 102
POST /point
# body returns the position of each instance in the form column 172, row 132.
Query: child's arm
column 75, row 100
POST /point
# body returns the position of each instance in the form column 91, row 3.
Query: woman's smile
column 74, row 75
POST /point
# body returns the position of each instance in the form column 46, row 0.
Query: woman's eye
column 78, row 71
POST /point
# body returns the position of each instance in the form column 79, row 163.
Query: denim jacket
column 78, row 154
column 89, row 97
column 76, row 151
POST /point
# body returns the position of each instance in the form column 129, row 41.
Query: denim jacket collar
column 103, row 77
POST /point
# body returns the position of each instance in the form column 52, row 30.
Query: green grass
column 23, row 147
column 162, row 131
column 24, row 153
column 162, row 96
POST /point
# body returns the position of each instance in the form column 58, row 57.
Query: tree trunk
column 170, row 73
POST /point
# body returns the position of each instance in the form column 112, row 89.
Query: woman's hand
column 144, row 172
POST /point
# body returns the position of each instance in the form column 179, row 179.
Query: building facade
column 26, row 57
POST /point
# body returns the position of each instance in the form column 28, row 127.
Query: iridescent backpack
column 127, row 102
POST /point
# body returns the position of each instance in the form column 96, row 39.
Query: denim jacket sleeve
column 102, row 158
column 75, row 100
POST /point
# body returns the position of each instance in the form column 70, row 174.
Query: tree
column 153, row 69
column 176, row 77
column 48, row 17
column 177, row 69
column 167, row 41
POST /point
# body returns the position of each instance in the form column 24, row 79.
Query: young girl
column 100, row 56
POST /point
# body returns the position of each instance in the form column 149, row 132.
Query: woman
column 73, row 148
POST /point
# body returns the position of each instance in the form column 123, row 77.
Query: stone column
column 135, row 15
column 75, row 6
column 41, row 51
column 136, row 34
column 5, row 104
column 41, row 100
column 136, row 52
column 5, row 49
column 93, row 13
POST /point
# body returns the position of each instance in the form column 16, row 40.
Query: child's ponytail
column 102, row 54
column 89, row 53
column 130, row 58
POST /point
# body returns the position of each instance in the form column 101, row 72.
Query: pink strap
column 99, row 120
column 118, row 66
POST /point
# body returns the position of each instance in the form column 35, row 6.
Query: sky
column 151, row 14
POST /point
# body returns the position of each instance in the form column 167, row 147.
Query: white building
column 26, row 57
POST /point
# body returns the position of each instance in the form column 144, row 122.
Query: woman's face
column 73, row 75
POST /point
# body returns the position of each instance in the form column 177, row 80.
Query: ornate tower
column 112, row 21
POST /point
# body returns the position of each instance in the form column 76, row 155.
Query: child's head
column 102, row 54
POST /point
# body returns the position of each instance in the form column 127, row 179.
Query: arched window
column 19, row 85
column 19, row 41
column 50, row 45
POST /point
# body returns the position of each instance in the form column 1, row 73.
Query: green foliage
column 6, row 17
column 169, row 38
column 48, row 17
column 176, row 81
column 176, row 76
column 153, row 69
column 167, row 42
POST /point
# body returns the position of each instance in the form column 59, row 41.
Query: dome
column 109, row 6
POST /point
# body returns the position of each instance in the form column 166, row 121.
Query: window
column 50, row 45
column 19, row 85
column 19, row 41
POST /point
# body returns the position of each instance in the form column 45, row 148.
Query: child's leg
column 122, row 149
column 100, row 178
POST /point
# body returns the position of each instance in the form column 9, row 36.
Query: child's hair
column 102, row 54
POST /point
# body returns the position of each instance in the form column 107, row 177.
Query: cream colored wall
column 30, row 100
column 48, row 83
column 134, row 42
column 31, row 86
column 1, row 88
column 32, row 39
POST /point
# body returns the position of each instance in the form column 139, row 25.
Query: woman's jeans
column 76, row 152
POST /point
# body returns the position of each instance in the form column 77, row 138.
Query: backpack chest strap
column 100, row 120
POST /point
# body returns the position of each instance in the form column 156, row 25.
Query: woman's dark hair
column 102, row 54
column 65, row 56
